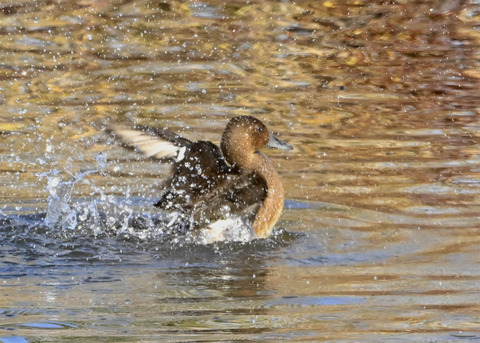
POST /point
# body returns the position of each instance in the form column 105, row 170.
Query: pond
column 380, row 233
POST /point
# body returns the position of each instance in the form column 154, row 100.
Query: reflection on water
column 381, row 226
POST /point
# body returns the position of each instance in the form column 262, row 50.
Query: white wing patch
column 148, row 145
column 181, row 154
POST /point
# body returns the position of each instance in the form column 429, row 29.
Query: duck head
column 243, row 137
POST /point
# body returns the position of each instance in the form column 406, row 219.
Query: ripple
column 185, row 68
column 48, row 325
column 299, row 301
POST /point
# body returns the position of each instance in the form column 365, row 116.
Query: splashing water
column 60, row 212
column 122, row 217
column 96, row 216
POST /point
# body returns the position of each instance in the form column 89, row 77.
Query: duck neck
column 272, row 205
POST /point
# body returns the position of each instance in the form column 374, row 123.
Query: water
column 379, row 237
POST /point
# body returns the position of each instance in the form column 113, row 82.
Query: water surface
column 379, row 238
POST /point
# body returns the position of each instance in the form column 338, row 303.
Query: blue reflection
column 13, row 339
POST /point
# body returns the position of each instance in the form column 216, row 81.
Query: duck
column 216, row 190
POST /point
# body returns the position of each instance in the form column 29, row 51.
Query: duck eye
column 258, row 128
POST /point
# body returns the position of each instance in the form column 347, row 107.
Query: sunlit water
column 380, row 234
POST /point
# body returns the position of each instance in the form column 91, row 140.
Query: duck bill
column 277, row 143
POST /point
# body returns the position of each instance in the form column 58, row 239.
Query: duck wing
column 199, row 172
column 155, row 143
column 238, row 196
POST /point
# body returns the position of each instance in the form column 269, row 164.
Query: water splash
column 71, row 215
column 60, row 212
column 123, row 218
